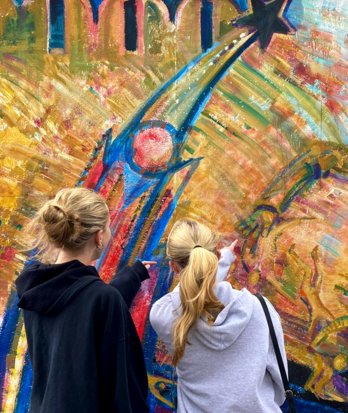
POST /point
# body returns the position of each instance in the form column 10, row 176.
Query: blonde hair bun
column 68, row 221
column 62, row 226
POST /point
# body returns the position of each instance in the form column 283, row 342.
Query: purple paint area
column 341, row 384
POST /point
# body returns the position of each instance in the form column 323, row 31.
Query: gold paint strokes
column 15, row 363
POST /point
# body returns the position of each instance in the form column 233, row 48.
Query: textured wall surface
column 229, row 112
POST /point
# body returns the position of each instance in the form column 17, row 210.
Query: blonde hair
column 67, row 221
column 193, row 247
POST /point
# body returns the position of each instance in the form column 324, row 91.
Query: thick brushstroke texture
column 23, row 395
column 266, row 149
column 7, row 333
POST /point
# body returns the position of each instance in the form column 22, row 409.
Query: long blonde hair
column 193, row 248
column 67, row 221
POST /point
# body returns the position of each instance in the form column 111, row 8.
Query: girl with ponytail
column 217, row 336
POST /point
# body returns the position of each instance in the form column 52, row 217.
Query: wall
column 169, row 110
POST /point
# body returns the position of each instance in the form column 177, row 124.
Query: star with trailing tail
column 267, row 18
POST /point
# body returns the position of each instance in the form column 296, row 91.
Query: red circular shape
column 153, row 148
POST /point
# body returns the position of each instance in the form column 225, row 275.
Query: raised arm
column 227, row 257
column 128, row 281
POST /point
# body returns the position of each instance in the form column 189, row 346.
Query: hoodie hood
column 47, row 288
column 231, row 321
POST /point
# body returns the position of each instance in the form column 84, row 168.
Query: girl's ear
column 98, row 237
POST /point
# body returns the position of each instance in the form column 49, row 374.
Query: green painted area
column 255, row 114
column 189, row 149
column 290, row 282
column 247, row 72
column 152, row 33
column 340, row 288
column 19, row 29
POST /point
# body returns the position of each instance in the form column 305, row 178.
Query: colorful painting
column 230, row 112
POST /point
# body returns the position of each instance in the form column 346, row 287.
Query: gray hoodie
column 230, row 366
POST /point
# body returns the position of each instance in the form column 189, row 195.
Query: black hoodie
column 85, row 351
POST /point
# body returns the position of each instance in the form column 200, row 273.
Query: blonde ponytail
column 193, row 247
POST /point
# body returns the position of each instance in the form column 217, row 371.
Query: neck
column 66, row 256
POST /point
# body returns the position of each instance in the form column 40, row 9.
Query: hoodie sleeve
column 272, row 364
column 122, row 375
column 128, row 281
column 225, row 262
column 163, row 314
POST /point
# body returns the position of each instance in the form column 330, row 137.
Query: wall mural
column 229, row 112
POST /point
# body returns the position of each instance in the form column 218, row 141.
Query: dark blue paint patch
column 172, row 6
column 95, row 9
column 56, row 25
column 207, row 24
column 131, row 27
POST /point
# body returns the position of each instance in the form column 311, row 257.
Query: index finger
column 233, row 244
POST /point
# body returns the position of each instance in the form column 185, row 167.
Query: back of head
column 68, row 221
column 192, row 247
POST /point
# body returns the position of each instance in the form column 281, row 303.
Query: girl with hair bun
column 218, row 337
column 85, row 352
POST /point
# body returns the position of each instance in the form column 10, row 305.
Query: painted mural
column 230, row 112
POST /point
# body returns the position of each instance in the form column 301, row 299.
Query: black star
column 267, row 19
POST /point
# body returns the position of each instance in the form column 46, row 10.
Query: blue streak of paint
column 162, row 221
column 23, row 396
column 7, row 332
column 95, row 9
column 202, row 100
